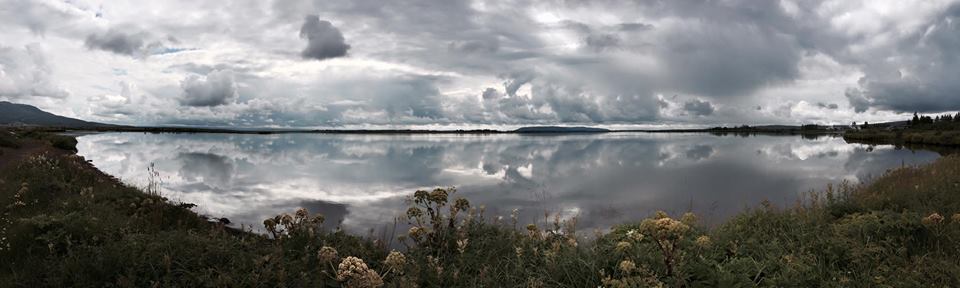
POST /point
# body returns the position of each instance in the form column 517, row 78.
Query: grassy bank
column 66, row 224
column 907, row 136
column 941, row 130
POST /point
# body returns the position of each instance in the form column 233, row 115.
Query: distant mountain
column 560, row 129
column 12, row 114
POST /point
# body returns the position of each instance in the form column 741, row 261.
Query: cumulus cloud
column 323, row 40
column 460, row 62
column 214, row 89
column 922, row 76
column 25, row 72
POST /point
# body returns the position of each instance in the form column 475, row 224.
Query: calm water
column 360, row 181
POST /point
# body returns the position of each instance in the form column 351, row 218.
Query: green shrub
column 63, row 142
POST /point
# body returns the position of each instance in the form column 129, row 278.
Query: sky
column 481, row 64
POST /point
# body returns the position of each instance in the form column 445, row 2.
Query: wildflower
column 416, row 232
column 532, row 227
column 269, row 223
column 414, row 212
column 519, row 252
column 932, row 220
column 354, row 273
column 703, row 241
column 634, row 235
column 301, row 213
column 286, row 219
column 623, row 246
column 532, row 230
column 955, row 218
column 688, row 218
column 663, row 228
column 462, row 245
column 461, row 204
column 514, row 215
column 439, row 196
column 627, row 266
column 395, row 260
column 420, row 195
column 660, row 215
column 327, row 254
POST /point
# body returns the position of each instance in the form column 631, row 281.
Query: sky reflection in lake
column 360, row 181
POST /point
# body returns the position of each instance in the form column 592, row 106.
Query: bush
column 63, row 142
column 8, row 140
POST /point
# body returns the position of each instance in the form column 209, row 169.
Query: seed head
column 302, row 213
column 354, row 273
column 327, row 254
column 688, row 218
column 932, row 220
column 627, row 266
column 395, row 260
column 703, row 241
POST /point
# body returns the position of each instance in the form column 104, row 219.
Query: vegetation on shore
column 939, row 130
column 66, row 224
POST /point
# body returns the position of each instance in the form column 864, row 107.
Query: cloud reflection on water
column 360, row 181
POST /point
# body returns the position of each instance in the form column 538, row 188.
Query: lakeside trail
column 67, row 224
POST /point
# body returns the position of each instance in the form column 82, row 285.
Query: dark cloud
column 116, row 42
column 858, row 101
column 630, row 27
column 515, row 81
column 214, row 89
column 323, row 40
column 831, row 106
column 697, row 107
column 137, row 44
column 491, row 94
column 601, row 42
column 476, row 46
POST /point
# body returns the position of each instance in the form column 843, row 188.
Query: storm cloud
column 698, row 107
column 323, row 40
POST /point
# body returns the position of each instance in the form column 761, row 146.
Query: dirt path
column 28, row 148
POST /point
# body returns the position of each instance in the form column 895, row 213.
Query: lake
column 360, row 181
